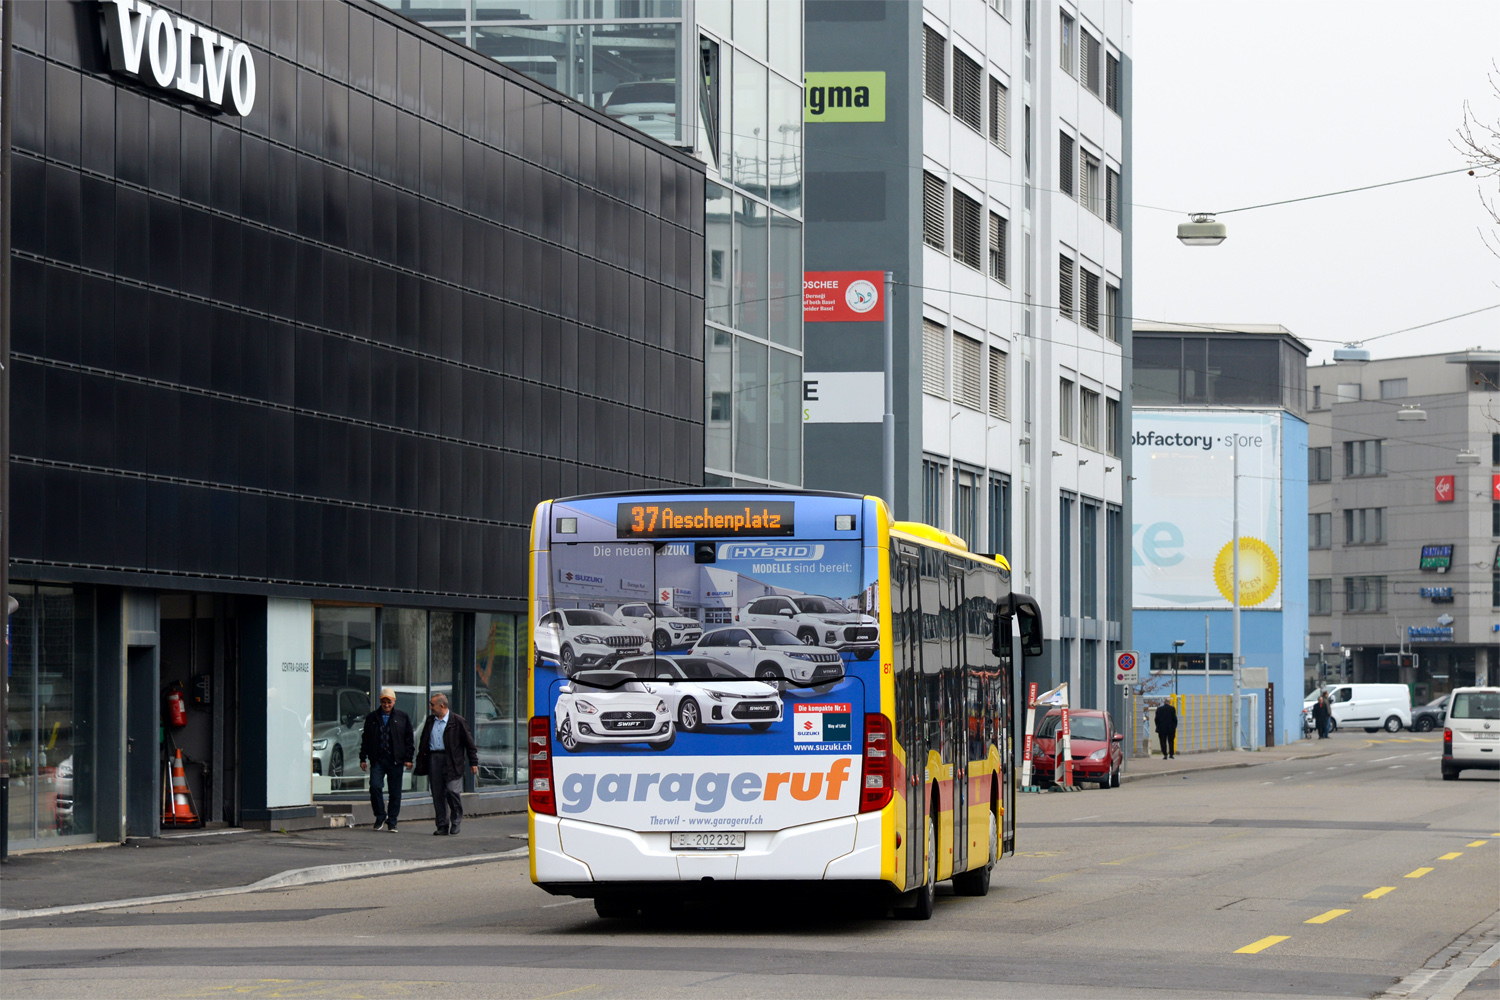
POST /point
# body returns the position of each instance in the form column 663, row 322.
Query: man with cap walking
column 385, row 750
column 445, row 747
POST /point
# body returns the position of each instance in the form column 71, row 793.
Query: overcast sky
column 1238, row 103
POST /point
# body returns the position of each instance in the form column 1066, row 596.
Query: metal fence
column 1203, row 723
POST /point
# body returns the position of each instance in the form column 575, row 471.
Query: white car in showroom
column 771, row 655
column 598, row 707
column 816, row 621
column 701, row 692
column 580, row 638
column 663, row 625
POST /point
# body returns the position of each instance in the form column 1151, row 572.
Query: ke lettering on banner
column 1442, row 489
column 843, row 297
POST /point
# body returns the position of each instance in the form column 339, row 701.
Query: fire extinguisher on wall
column 176, row 715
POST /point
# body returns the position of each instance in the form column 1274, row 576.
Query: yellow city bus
column 739, row 689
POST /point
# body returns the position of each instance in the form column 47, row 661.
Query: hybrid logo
column 762, row 550
column 159, row 48
column 708, row 792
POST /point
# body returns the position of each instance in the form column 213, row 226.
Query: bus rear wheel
column 926, row 893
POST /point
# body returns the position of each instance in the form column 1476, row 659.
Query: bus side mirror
column 1000, row 644
column 1029, row 622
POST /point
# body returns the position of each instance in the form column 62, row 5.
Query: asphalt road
column 1330, row 876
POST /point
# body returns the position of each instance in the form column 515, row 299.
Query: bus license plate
column 733, row 840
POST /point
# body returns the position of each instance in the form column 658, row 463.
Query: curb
column 282, row 880
column 1141, row 776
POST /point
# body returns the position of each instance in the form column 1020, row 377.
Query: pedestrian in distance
column 385, row 750
column 1321, row 715
column 1166, row 729
column 445, row 747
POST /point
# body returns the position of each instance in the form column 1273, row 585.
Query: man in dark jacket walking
column 445, row 747
column 1166, row 729
column 385, row 750
column 1320, row 715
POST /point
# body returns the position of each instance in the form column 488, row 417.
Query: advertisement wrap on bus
column 712, row 693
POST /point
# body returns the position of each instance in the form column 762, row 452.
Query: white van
column 1471, row 732
column 1373, row 706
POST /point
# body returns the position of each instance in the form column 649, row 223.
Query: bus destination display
column 704, row 519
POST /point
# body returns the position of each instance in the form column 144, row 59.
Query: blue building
column 1212, row 404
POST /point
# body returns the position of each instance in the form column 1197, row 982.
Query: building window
column 500, row 704
column 1364, row 594
column 965, row 511
column 1088, row 418
column 1112, row 313
column 1317, row 402
column 1065, row 286
column 1114, row 517
column 968, row 91
column 968, row 230
column 1363, row 458
column 1112, row 427
column 1000, row 516
column 1065, row 409
column 932, row 490
column 932, row 211
column 934, row 85
column 1112, row 82
column 1348, row 392
column 1066, row 55
column 999, row 115
column 1495, row 449
column 1090, row 304
column 1088, row 560
column 1112, row 197
column 1495, row 519
column 1065, row 157
column 1364, row 525
column 1320, row 531
column 1088, row 181
column 1088, row 63
column 1495, row 591
column 1392, row 388
column 999, row 233
column 934, row 359
column 1320, row 597
column 1319, row 465
column 999, row 378
column 967, row 378
column 1065, row 556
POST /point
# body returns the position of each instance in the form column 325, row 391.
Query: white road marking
column 1392, row 767
column 566, row 902
column 1080, row 819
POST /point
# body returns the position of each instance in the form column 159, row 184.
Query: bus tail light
column 879, row 764
column 539, row 766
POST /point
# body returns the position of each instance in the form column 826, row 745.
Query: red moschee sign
column 842, row 296
column 1442, row 489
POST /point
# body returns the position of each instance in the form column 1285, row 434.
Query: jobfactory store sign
column 168, row 52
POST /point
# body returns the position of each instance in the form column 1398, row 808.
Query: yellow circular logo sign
column 1259, row 571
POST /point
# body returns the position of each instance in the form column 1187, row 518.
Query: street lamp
column 1411, row 412
column 1177, row 645
column 1467, row 457
column 1203, row 231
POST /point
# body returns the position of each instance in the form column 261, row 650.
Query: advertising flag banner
column 843, row 297
column 1182, row 555
column 1442, row 489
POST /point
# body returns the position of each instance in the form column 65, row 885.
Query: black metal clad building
column 335, row 351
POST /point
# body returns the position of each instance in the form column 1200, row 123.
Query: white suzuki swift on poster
column 580, row 638
column 701, row 692
column 816, row 621
column 598, row 707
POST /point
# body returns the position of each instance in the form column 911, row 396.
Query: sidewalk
column 1155, row 766
column 222, row 860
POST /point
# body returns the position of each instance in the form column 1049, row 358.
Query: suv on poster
column 701, row 692
column 816, row 621
column 663, row 625
column 580, row 638
column 771, row 654
column 597, row 707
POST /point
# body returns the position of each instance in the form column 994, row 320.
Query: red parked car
column 1096, row 747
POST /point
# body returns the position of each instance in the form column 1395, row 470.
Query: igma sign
column 169, row 52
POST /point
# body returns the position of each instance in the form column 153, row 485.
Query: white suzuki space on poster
column 581, row 638
column 771, row 655
column 599, row 707
column 816, row 621
column 701, row 692
column 660, row 624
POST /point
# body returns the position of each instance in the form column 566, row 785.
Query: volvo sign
column 169, row 52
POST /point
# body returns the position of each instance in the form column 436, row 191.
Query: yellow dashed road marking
column 1323, row 918
column 1418, row 873
column 1380, row 892
column 1477, row 843
column 1451, row 855
column 1261, row 945
column 1054, row 878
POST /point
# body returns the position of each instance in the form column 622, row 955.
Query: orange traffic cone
column 181, row 813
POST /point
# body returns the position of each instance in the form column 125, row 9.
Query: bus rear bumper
column 569, row 851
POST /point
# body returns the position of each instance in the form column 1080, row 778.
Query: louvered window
column 999, row 114
column 1090, row 304
column 998, row 384
column 968, row 230
column 1088, row 181
column 932, row 211
column 968, row 91
column 1065, row 156
column 1066, row 31
column 934, row 359
column 1112, row 82
column 932, row 66
column 967, row 373
column 1065, row 286
column 999, row 233
column 1111, row 197
column 1112, row 313
column 1088, row 64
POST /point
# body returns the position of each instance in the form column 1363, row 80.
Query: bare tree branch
column 1479, row 142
